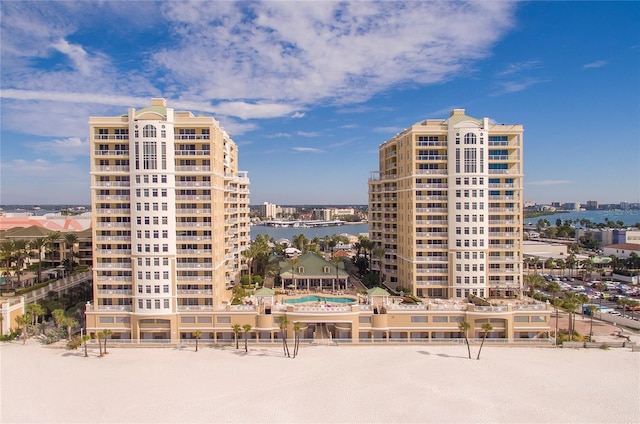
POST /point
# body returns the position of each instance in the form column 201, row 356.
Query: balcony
column 432, row 246
column 191, row 136
column 432, row 259
column 431, row 210
column 432, row 271
column 194, row 265
column 194, row 211
column 511, row 234
column 111, row 153
column 111, row 136
column 202, row 168
column 193, row 197
column 194, row 278
column 193, row 224
column 113, row 251
column 121, row 211
column 503, row 210
column 440, row 234
column 114, row 307
column 193, row 238
column 113, row 238
column 116, row 292
column 504, row 246
column 113, row 197
column 194, row 251
column 113, row 224
column 508, row 198
column 431, row 198
column 112, row 184
column 119, row 278
column 195, row 307
column 114, row 168
column 432, row 171
column 192, row 152
column 431, row 157
column 112, row 265
column 195, row 291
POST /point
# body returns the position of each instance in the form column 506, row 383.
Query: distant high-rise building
column 592, row 205
column 170, row 220
column 268, row 210
column 446, row 208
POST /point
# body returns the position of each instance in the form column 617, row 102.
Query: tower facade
column 170, row 220
column 445, row 208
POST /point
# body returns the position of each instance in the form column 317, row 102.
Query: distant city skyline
column 309, row 90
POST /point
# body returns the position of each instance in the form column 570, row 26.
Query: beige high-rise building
column 170, row 220
column 446, row 206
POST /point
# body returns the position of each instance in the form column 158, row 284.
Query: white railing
column 113, row 251
column 195, row 308
column 114, row 197
column 193, row 224
column 117, row 265
column 192, row 152
column 107, row 278
column 193, row 211
column 121, row 211
column 189, row 291
column 192, row 197
column 197, row 265
column 112, row 184
column 113, row 224
column 126, row 292
column 111, row 152
column 194, row 251
column 113, row 238
column 114, row 168
column 201, row 168
column 114, row 307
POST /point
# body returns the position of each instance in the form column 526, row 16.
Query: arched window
column 469, row 138
column 149, row 131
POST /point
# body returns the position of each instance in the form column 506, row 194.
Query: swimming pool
column 311, row 299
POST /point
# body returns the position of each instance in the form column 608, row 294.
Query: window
column 223, row 320
column 166, row 303
column 470, row 138
column 149, row 156
column 418, row 319
column 149, row 131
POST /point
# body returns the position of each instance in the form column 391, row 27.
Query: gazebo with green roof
column 312, row 270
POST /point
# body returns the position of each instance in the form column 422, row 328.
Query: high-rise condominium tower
column 445, row 208
column 170, row 220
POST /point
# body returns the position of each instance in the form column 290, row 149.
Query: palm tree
column 7, row 249
column 36, row 311
column 52, row 240
column 283, row 323
column 196, row 335
column 379, row 254
column 293, row 262
column 297, row 329
column 106, row 334
column 570, row 304
column 554, row 288
column 592, row 310
column 70, row 240
column 236, row 330
column 84, row 339
column 22, row 321
column 249, row 254
column 21, row 252
column 246, row 329
column 486, row 327
column 58, row 316
column 336, row 261
column 39, row 244
column 464, row 327
column 99, row 336
column 70, row 322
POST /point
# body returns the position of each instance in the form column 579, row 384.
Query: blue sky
column 308, row 90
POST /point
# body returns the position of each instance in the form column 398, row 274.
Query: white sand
column 346, row 384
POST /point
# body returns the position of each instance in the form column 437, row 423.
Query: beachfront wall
column 355, row 323
column 10, row 309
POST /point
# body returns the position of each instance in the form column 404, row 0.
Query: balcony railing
column 208, row 291
column 113, row 251
column 193, row 152
column 120, row 211
column 195, row 308
column 194, row 265
column 111, row 152
column 112, row 184
column 112, row 168
column 120, row 292
column 114, row 197
column 194, row 211
column 193, row 224
column 193, row 183
column 107, row 278
column 113, row 224
column 114, row 307
column 194, row 251
column 112, row 265
column 193, row 197
column 202, row 168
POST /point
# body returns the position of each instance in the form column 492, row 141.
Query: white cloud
column 66, row 149
column 308, row 133
column 298, row 115
column 548, row 182
column 515, row 86
column 279, row 135
column 519, row 67
column 392, row 130
column 307, row 150
column 596, row 64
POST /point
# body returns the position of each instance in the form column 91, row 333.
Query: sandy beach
column 324, row 384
